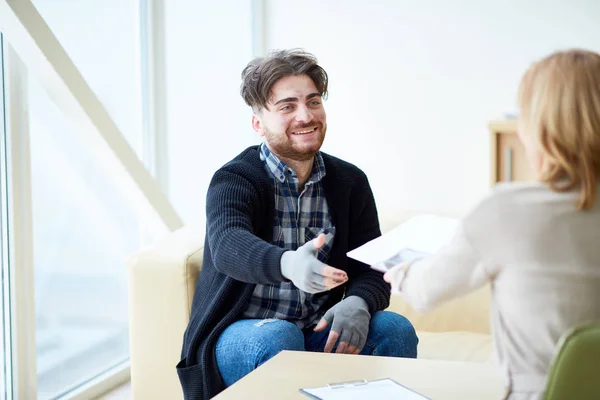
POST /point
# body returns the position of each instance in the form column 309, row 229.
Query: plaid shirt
column 299, row 218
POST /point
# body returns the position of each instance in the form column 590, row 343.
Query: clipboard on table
column 359, row 390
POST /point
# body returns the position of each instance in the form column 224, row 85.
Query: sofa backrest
column 193, row 264
column 469, row 313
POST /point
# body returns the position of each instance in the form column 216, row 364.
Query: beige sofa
column 162, row 280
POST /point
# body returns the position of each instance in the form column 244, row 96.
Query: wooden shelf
column 503, row 126
column 508, row 156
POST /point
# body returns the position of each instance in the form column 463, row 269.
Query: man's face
column 294, row 121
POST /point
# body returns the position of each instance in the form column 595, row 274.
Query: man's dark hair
column 260, row 74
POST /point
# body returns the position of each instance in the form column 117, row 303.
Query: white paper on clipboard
column 379, row 389
column 418, row 237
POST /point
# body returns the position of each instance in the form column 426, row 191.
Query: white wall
column 207, row 46
column 413, row 84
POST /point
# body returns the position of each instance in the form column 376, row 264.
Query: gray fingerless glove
column 351, row 320
column 304, row 269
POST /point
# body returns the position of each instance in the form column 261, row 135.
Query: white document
column 418, row 237
column 380, row 389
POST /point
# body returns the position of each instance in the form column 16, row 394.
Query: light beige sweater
column 543, row 259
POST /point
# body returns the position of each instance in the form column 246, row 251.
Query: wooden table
column 284, row 374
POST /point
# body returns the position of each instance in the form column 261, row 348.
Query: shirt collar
column 280, row 170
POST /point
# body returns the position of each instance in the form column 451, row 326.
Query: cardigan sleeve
column 232, row 208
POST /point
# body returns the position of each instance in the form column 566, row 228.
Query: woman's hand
column 395, row 276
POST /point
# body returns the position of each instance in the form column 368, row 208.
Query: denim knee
column 247, row 344
column 392, row 335
column 281, row 335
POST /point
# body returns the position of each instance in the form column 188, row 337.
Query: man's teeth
column 304, row 132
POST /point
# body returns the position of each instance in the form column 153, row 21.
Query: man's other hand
column 351, row 320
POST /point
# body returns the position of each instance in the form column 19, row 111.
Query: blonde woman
column 537, row 243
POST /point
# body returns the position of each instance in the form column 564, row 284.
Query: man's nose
column 303, row 115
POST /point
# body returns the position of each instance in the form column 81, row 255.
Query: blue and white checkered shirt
column 299, row 218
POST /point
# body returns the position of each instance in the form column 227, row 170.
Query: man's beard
column 282, row 145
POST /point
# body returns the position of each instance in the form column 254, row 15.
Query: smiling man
column 281, row 217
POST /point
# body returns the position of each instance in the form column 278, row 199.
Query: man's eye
column 286, row 108
column 315, row 103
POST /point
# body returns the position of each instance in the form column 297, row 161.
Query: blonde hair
column 559, row 100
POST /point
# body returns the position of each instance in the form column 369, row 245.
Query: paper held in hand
column 418, row 237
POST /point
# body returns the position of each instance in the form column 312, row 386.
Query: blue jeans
column 248, row 343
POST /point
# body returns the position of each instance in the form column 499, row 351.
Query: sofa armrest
column 162, row 279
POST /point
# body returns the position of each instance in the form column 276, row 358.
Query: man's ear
column 257, row 124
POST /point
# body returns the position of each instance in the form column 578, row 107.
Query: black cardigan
column 238, row 255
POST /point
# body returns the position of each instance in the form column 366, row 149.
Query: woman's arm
column 453, row 271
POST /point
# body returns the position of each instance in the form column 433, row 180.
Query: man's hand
column 350, row 324
column 304, row 269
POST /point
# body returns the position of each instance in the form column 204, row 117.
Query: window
column 83, row 229
column 83, row 226
column 88, row 204
column 4, row 312
column 102, row 40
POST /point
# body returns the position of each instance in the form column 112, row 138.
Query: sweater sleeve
column 454, row 270
column 364, row 226
column 232, row 207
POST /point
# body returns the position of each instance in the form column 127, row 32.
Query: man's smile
column 304, row 132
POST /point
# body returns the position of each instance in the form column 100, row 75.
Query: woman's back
column 545, row 254
column 538, row 243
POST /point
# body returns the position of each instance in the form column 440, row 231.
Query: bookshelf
column 508, row 156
